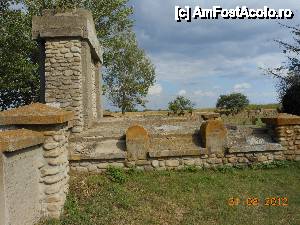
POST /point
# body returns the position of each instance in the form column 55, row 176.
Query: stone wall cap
column 270, row 147
column 13, row 140
column 76, row 23
column 282, row 119
column 35, row 113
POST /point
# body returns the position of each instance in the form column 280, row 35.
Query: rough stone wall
column 169, row 163
column 54, row 172
column 20, row 174
column 289, row 137
column 63, row 77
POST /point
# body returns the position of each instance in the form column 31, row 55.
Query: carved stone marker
column 71, row 58
column 213, row 134
column 137, row 143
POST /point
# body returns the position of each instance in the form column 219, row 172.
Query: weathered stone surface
column 210, row 116
column 214, row 160
column 107, row 156
column 51, row 145
column 214, row 135
column 282, row 119
column 169, row 153
column 172, row 163
column 137, row 143
column 74, row 23
column 155, row 163
column 13, row 140
column 256, row 148
column 35, row 113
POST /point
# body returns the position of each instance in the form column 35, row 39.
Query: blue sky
column 206, row 58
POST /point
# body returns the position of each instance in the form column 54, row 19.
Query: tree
column 19, row 79
column 18, row 53
column 234, row 102
column 180, row 104
column 131, row 75
column 288, row 74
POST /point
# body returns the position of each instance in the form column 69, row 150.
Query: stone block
column 214, row 136
column 137, row 143
column 13, row 140
column 35, row 113
column 172, row 163
column 155, row 163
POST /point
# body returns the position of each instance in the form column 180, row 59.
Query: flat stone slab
column 35, row 113
column 98, row 156
column 13, row 140
column 256, row 148
column 171, row 153
column 282, row 119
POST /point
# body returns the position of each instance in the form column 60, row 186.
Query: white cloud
column 241, row 87
column 204, row 93
column 155, row 89
column 182, row 92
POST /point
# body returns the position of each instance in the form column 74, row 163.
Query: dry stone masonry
column 285, row 129
column 71, row 63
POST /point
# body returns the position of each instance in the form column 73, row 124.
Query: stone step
column 184, row 142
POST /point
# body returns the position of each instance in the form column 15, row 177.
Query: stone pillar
column 137, row 143
column 213, row 135
column 55, row 125
column 73, row 59
column 285, row 129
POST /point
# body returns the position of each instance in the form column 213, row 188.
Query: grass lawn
column 183, row 197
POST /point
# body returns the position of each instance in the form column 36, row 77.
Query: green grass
column 184, row 197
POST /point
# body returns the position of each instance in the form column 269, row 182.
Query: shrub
column 234, row 102
column 116, row 174
column 181, row 104
column 291, row 100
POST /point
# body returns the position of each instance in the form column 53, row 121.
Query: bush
column 181, row 104
column 234, row 103
column 291, row 100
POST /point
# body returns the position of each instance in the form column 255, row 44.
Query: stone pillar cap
column 76, row 23
column 35, row 113
column 13, row 140
column 282, row 119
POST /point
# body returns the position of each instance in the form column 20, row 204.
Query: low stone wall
column 285, row 129
column 175, row 163
column 215, row 146
column 43, row 170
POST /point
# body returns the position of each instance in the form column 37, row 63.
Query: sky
column 206, row 58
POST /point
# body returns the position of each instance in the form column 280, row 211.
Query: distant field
column 165, row 111
column 238, row 119
column 190, row 197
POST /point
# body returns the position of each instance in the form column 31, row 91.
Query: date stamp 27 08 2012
column 254, row 201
